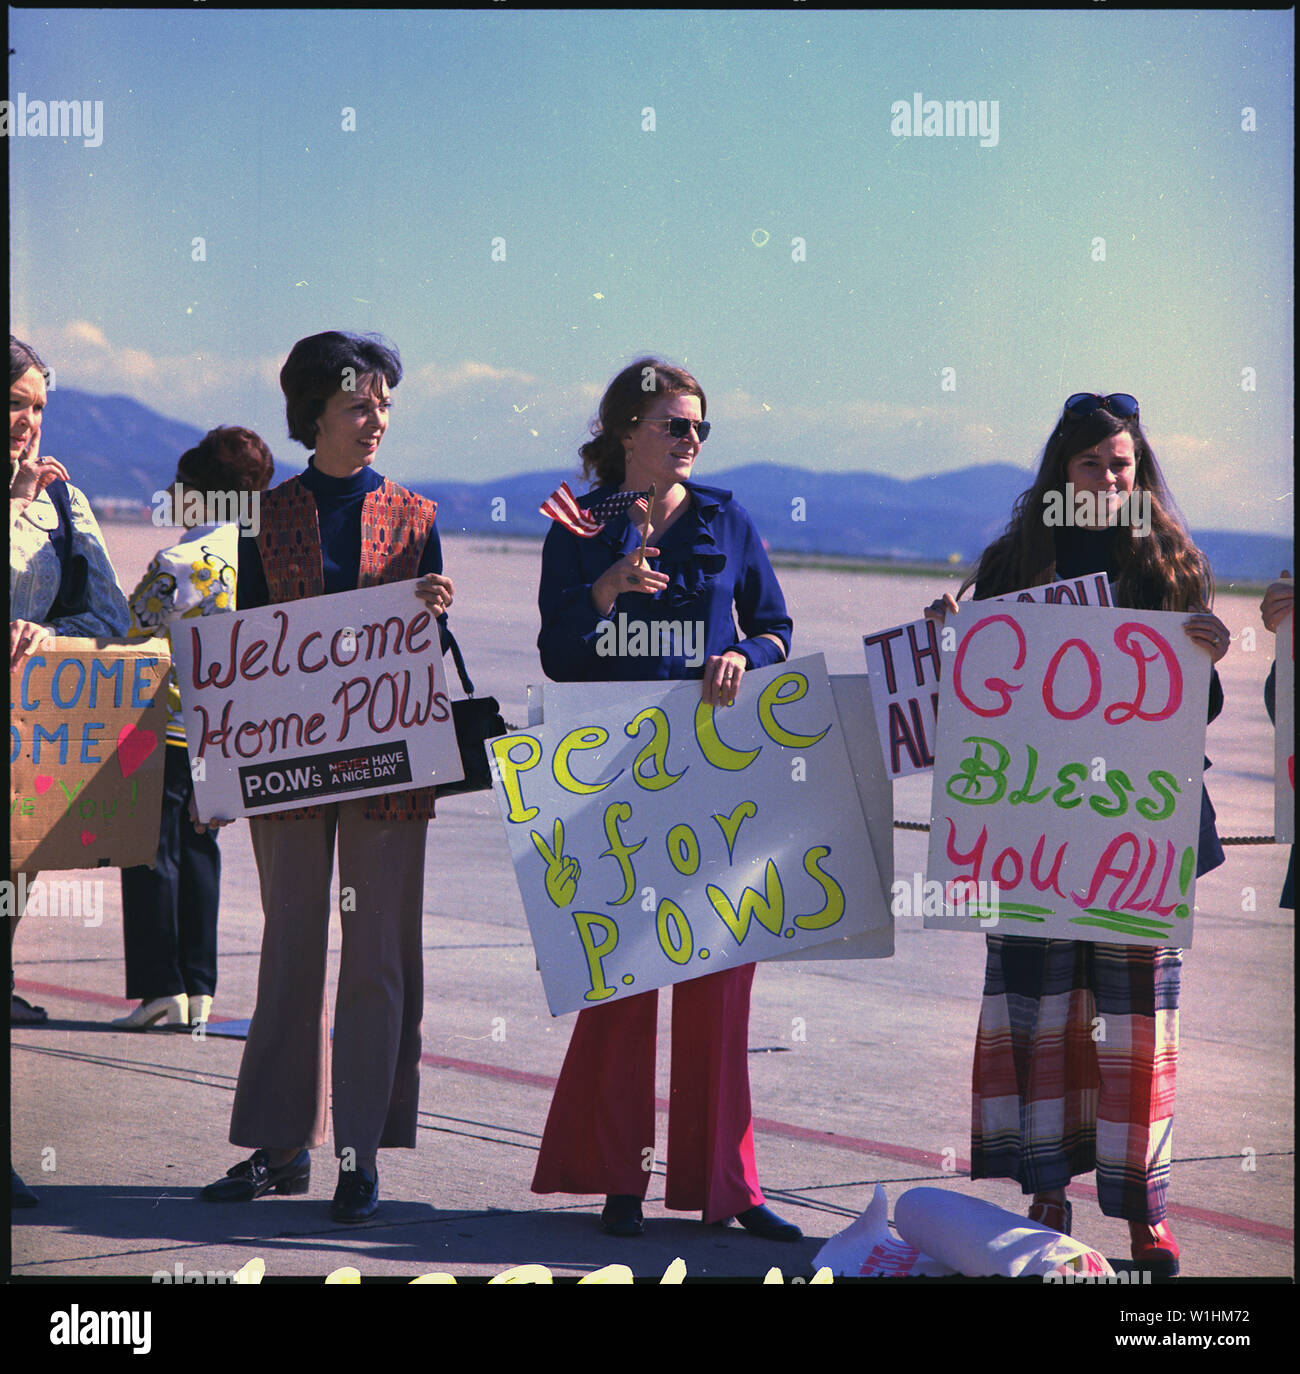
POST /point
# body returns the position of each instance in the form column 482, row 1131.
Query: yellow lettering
column 683, row 849
column 524, row 1273
column 834, row 907
column 611, row 1273
column 509, row 771
column 680, row 946
column 656, row 750
column 730, row 825
column 619, row 851
column 595, row 953
column 774, row 694
column 586, row 737
column 770, row 911
column 718, row 754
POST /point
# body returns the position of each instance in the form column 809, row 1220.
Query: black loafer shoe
column 763, row 1222
column 357, row 1196
column 254, row 1176
column 622, row 1215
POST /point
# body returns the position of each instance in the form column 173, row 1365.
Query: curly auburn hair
column 603, row 459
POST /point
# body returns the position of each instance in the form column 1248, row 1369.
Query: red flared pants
column 600, row 1132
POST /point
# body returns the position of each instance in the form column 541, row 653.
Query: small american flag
column 561, row 506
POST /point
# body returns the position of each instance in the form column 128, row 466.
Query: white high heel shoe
column 200, row 1006
column 167, row 1011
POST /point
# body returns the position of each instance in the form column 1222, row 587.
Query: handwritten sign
column 656, row 839
column 557, row 702
column 903, row 668
column 1284, row 735
column 326, row 699
column 87, row 731
column 1093, row 590
column 1067, row 779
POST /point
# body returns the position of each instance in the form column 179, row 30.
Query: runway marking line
column 904, row 1154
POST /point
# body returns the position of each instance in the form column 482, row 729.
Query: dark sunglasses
column 679, row 426
column 1083, row 404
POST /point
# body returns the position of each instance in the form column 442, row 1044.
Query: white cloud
column 434, row 380
column 84, row 357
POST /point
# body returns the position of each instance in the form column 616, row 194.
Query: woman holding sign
column 690, row 554
column 1078, row 1110
column 61, row 582
column 336, row 527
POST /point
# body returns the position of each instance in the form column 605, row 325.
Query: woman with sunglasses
column 1079, row 1112
column 704, row 563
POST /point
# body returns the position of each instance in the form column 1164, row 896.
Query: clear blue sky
column 922, row 253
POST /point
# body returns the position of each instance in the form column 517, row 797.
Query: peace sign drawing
column 562, row 872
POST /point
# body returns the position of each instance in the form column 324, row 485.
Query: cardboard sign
column 326, row 699
column 87, row 731
column 1284, row 735
column 656, row 839
column 903, row 667
column 1067, row 782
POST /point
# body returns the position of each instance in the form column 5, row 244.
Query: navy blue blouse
column 714, row 560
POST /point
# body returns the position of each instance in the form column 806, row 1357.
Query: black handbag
column 477, row 719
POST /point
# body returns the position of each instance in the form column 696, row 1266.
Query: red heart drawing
column 134, row 745
column 87, row 837
column 42, row 783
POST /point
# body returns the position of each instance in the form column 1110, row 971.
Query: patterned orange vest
column 395, row 526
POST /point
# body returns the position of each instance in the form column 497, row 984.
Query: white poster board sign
column 331, row 698
column 1092, row 590
column 903, row 666
column 1067, row 784
column 903, row 670
column 656, row 839
column 1284, row 735
column 562, row 701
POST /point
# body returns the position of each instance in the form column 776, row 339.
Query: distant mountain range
column 120, row 452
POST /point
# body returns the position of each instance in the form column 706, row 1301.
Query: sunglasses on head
column 679, row 426
column 1083, row 404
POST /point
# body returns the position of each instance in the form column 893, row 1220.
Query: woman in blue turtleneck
column 336, row 527
column 705, row 571
column 1048, row 1105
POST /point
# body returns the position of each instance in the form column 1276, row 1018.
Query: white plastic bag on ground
column 941, row 1232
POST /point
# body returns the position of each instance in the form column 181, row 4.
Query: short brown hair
column 227, row 458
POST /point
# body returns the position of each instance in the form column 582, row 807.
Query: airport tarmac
column 860, row 1069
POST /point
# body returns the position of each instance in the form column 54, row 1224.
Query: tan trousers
column 283, row 1079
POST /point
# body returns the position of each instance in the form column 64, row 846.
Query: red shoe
column 1154, row 1248
column 1058, row 1215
